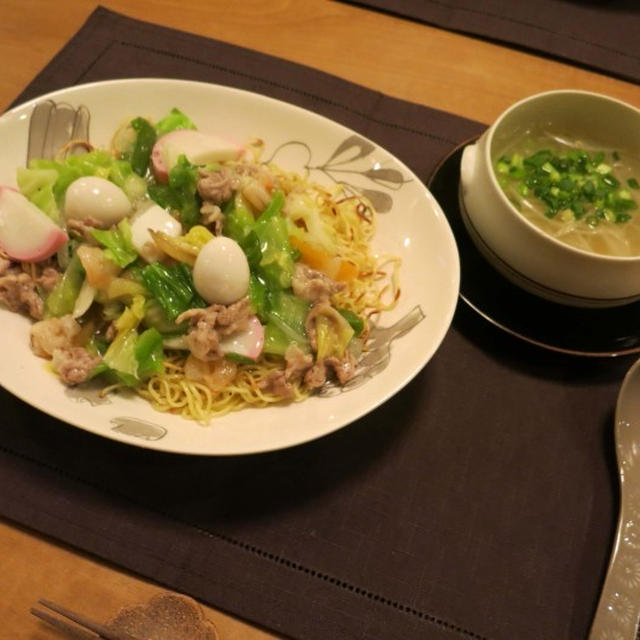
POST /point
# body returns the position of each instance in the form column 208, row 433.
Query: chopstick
column 70, row 630
column 100, row 631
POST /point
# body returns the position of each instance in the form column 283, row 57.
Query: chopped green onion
column 573, row 185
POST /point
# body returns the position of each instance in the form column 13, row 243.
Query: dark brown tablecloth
column 599, row 34
column 479, row 503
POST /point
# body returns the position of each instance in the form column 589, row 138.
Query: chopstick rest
column 167, row 615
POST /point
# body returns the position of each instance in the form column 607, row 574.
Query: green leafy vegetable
column 276, row 341
column 333, row 334
column 155, row 317
column 258, row 296
column 149, row 353
column 180, row 194
column 120, row 357
column 37, row 185
column 354, row 320
column 146, row 138
column 252, row 249
column 237, row 358
column 94, row 163
column 118, row 243
column 239, row 225
column 286, row 315
column 238, row 222
column 121, row 173
column 97, row 345
column 265, row 241
column 62, row 298
column 276, row 264
column 172, row 287
column 173, row 121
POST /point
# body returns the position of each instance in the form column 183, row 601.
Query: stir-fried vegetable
column 331, row 265
column 120, row 357
column 174, row 120
column 63, row 297
column 172, row 287
column 333, row 334
column 146, row 138
column 122, row 174
column 180, row 194
column 354, row 320
column 276, row 263
column 45, row 182
column 37, row 185
column 119, row 246
column 238, row 221
column 93, row 163
column 149, row 353
column 129, row 269
column 285, row 322
column 258, row 295
column 183, row 248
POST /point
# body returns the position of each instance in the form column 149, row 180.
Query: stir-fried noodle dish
column 180, row 266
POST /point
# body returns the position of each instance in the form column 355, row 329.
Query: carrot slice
column 334, row 266
column 347, row 271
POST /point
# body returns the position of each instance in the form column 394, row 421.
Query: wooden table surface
column 407, row 60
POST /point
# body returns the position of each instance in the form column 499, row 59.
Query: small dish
column 578, row 331
column 566, row 256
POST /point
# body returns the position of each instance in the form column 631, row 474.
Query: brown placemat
column 478, row 503
column 598, row 34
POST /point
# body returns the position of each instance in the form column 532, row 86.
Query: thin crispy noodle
column 350, row 222
column 105, row 391
column 173, row 392
column 70, row 146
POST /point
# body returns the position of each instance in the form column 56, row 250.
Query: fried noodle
column 350, row 221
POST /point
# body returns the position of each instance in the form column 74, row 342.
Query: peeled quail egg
column 221, row 271
column 96, row 198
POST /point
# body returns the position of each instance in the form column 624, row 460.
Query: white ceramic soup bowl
column 518, row 249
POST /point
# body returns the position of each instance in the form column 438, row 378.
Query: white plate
column 414, row 228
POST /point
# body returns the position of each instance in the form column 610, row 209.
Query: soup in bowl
column 550, row 194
